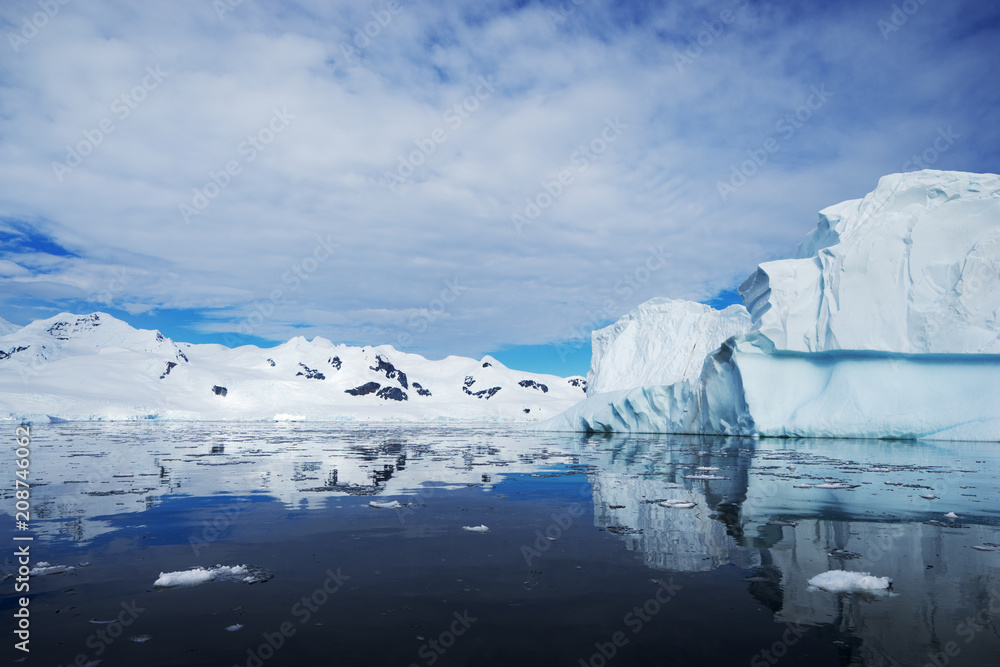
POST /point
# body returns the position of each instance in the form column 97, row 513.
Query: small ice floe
column 951, row 515
column 802, row 486
column 43, row 568
column 234, row 627
column 245, row 574
column 708, row 468
column 140, row 639
column 836, row 485
column 782, row 523
column 988, row 546
column 476, row 529
column 390, row 505
column 928, row 496
column 879, row 469
column 840, row 581
column 843, row 554
column 705, row 476
column 677, row 504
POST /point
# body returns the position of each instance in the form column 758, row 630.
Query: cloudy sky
column 455, row 177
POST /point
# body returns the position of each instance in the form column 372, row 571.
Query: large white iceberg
column 912, row 267
column 663, row 341
column 887, row 325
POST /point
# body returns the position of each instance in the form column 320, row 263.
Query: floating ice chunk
column 782, row 523
column 928, row 496
column 708, row 468
column 234, row 627
column 246, row 574
column 987, row 547
column 802, row 486
column 840, row 581
column 390, row 505
column 139, row 639
column 677, row 504
column 951, row 515
column 476, row 529
column 43, row 568
column 704, row 477
column 836, row 485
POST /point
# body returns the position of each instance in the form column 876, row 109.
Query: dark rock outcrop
column 13, row 351
column 310, row 373
column 383, row 365
column 219, row 391
column 392, row 394
column 420, row 390
column 531, row 384
column 170, row 365
column 366, row 388
column 335, row 362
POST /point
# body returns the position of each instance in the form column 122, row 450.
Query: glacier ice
column 913, row 267
column 841, row 581
column 662, row 341
column 886, row 325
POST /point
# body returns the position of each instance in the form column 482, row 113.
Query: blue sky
column 455, row 178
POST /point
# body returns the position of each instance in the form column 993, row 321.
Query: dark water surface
column 581, row 563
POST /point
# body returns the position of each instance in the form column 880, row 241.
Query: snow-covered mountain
column 662, row 341
column 7, row 327
column 98, row 367
column 887, row 325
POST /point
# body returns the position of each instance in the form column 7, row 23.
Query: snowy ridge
column 97, row 367
column 662, row 341
column 7, row 327
column 887, row 325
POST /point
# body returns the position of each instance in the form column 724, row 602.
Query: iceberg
column 886, row 325
column 841, row 581
column 663, row 341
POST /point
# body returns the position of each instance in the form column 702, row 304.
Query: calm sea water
column 584, row 563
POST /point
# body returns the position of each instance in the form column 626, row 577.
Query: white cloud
column 655, row 185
